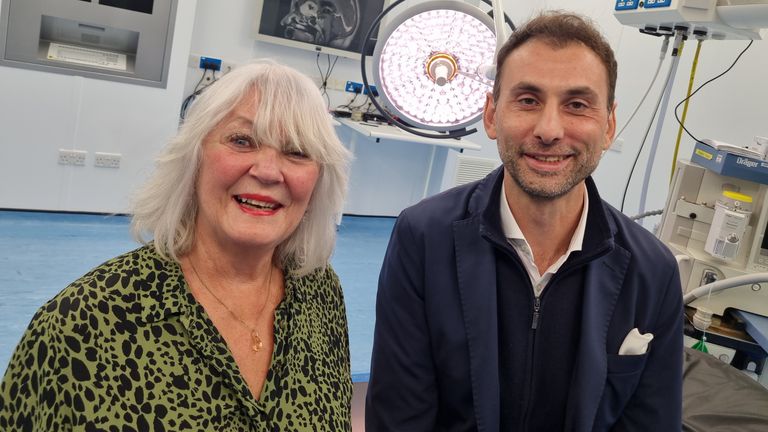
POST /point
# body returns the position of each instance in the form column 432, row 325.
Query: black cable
column 361, row 104
column 655, row 111
column 348, row 105
column 188, row 100
column 325, row 76
column 191, row 98
column 323, row 83
column 702, row 86
column 331, row 66
column 640, row 150
column 205, row 72
column 328, row 72
column 320, row 71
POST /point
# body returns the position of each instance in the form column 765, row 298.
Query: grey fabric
column 718, row 397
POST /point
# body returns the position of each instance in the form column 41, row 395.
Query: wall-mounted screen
column 335, row 27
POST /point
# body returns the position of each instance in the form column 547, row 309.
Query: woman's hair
column 291, row 113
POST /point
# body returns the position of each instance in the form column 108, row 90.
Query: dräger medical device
column 715, row 221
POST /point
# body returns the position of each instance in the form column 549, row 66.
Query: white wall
column 42, row 112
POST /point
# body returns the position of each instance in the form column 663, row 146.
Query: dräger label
column 746, row 162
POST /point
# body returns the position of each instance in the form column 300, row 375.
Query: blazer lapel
column 476, row 273
column 603, row 282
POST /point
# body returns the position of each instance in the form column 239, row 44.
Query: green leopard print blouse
column 127, row 348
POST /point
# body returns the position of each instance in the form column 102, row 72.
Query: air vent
column 469, row 169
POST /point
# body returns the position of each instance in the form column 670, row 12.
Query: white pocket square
column 635, row 343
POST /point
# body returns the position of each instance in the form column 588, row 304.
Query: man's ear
column 489, row 116
column 610, row 130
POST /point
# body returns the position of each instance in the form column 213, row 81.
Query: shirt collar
column 169, row 295
column 512, row 231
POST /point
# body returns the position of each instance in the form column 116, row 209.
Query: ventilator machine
column 715, row 220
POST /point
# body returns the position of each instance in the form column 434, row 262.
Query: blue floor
column 40, row 253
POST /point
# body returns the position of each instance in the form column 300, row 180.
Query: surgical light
column 429, row 66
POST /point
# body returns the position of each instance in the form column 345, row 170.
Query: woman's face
column 250, row 195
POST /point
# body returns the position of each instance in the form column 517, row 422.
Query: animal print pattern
column 127, row 348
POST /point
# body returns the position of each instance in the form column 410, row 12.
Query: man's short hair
column 560, row 29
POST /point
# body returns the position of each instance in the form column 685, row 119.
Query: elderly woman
column 231, row 318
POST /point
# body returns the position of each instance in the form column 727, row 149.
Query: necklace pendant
column 257, row 344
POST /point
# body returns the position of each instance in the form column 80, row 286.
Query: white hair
column 291, row 113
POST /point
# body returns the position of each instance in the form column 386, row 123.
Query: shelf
column 380, row 131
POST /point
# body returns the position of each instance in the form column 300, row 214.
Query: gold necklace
column 255, row 339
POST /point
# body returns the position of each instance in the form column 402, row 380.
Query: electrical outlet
column 373, row 90
column 336, row 84
column 210, row 63
column 107, row 160
column 353, row 87
column 197, row 61
column 72, row 157
column 331, row 84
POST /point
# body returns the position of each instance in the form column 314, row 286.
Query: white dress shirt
column 516, row 238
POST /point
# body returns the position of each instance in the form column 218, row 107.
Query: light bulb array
column 428, row 68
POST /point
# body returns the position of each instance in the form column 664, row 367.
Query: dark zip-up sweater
column 539, row 337
column 435, row 363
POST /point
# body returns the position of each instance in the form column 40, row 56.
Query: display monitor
column 335, row 27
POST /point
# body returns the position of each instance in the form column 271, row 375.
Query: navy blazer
column 435, row 352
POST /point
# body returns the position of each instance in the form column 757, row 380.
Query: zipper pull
column 536, row 307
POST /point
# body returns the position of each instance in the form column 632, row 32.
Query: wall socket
column 195, row 61
column 332, row 84
column 107, row 160
column 72, row 157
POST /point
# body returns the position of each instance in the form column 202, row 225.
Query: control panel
column 718, row 19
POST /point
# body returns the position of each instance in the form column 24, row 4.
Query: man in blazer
column 523, row 302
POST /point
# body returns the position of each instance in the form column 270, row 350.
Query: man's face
column 552, row 120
